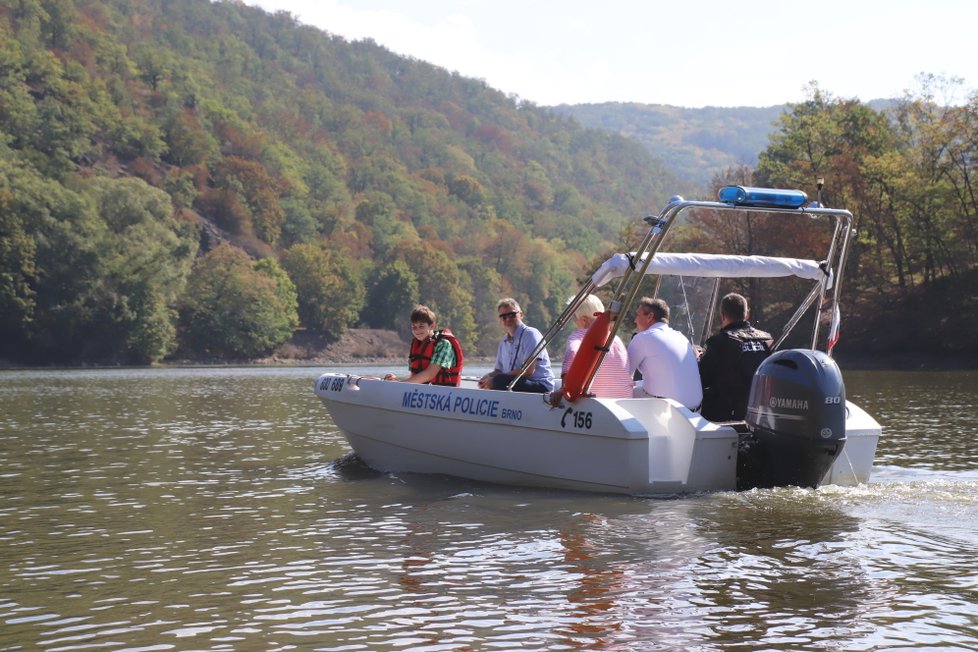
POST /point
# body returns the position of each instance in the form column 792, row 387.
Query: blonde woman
column 613, row 379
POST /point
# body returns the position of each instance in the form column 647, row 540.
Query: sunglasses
column 508, row 315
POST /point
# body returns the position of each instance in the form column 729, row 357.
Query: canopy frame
column 631, row 268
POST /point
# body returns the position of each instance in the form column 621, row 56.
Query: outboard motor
column 796, row 421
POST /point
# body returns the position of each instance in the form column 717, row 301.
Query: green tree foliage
column 329, row 287
column 487, row 288
column 147, row 257
column 468, row 189
column 234, row 307
column 187, row 142
column 284, row 288
column 253, row 193
column 46, row 110
column 17, row 259
column 90, row 273
column 896, row 170
column 442, row 286
column 52, row 262
column 390, row 296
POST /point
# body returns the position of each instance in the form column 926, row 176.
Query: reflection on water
column 219, row 509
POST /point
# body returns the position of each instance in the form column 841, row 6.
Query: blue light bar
column 762, row 197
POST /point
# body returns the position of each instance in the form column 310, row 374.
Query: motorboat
column 800, row 429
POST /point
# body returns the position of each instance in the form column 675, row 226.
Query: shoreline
column 380, row 347
column 395, row 363
column 907, row 362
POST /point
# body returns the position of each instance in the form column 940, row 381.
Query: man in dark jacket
column 729, row 361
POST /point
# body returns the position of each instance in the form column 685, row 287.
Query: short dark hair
column 423, row 314
column 657, row 307
column 734, row 306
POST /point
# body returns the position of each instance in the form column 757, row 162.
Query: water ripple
column 221, row 510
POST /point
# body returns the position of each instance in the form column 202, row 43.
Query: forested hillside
column 179, row 173
column 180, row 177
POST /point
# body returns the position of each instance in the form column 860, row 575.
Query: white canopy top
column 713, row 266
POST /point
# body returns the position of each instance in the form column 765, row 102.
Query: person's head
column 733, row 308
column 423, row 321
column 510, row 314
column 584, row 314
column 650, row 311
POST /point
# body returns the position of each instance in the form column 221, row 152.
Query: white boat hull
column 644, row 446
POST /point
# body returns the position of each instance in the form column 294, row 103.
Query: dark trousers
column 500, row 381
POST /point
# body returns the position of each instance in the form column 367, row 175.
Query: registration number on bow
column 334, row 384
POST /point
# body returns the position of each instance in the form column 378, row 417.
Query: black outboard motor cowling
column 796, row 421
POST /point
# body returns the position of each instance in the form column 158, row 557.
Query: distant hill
column 695, row 143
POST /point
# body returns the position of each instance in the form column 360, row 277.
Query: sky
column 689, row 53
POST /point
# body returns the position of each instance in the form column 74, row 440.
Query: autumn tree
column 248, row 185
column 442, row 286
column 329, row 288
column 851, row 147
column 284, row 289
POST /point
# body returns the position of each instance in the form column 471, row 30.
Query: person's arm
column 708, row 362
column 425, row 375
column 633, row 357
column 393, row 376
column 486, row 381
column 534, row 337
column 569, row 352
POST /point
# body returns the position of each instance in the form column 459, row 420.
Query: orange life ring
column 588, row 357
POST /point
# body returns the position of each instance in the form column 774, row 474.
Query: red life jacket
column 421, row 353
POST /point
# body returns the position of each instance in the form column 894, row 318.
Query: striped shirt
column 613, row 379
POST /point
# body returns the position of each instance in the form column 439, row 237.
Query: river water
column 218, row 509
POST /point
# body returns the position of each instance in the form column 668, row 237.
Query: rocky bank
column 354, row 346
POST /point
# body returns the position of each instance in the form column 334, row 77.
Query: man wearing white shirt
column 664, row 356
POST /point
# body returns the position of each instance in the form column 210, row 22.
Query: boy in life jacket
column 435, row 356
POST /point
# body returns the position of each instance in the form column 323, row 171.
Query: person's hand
column 484, row 381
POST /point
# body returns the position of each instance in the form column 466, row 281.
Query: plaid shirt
column 443, row 355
